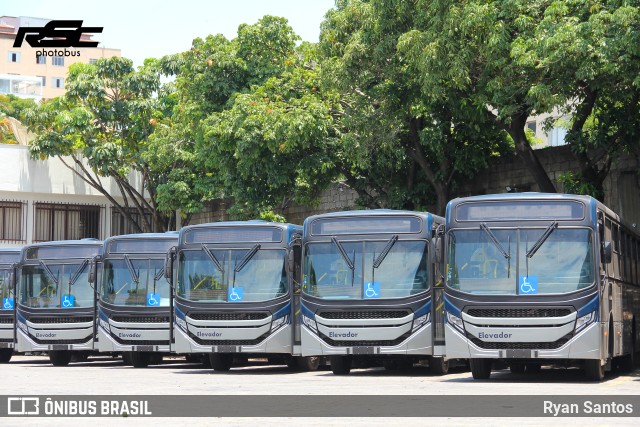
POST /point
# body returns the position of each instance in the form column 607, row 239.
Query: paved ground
column 105, row 376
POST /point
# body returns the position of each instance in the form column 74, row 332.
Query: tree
column 518, row 58
column 106, row 117
column 391, row 127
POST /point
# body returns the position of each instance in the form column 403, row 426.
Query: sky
column 143, row 28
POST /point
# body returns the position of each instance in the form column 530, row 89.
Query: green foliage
column 13, row 106
column 574, row 184
column 106, row 117
column 272, row 217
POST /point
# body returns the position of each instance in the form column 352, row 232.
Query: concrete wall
column 621, row 187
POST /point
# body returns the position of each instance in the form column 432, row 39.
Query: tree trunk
column 527, row 155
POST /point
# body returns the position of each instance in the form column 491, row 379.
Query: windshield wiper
column 385, row 251
column 132, row 270
column 343, row 253
column 239, row 266
column 47, row 270
column 213, row 258
column 495, row 241
column 542, row 239
column 346, row 258
column 79, row 271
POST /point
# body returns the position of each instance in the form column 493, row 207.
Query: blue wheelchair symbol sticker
column 371, row 290
column 528, row 285
column 7, row 304
column 153, row 299
column 235, row 295
column 68, row 301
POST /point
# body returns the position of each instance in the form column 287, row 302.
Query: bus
column 535, row 279
column 371, row 290
column 9, row 259
column 56, row 305
column 134, row 313
column 237, row 293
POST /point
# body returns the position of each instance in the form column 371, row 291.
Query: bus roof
column 372, row 212
column 149, row 243
column 288, row 229
column 50, row 247
column 591, row 203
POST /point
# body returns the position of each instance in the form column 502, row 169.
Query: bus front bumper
column 419, row 343
column 277, row 342
column 108, row 344
column 584, row 345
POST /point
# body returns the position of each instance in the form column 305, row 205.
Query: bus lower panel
column 418, row 343
column 26, row 343
column 584, row 345
column 278, row 342
column 6, row 335
column 107, row 344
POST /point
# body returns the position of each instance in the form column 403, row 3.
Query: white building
column 45, row 200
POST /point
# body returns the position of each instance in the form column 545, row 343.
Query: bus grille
column 369, row 314
column 141, row 319
column 229, row 342
column 378, row 343
column 228, row 316
column 6, row 339
column 60, row 319
column 139, row 342
column 519, row 312
column 77, row 341
column 6, row 320
column 520, row 345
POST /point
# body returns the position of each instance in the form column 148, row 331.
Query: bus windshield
column 366, row 269
column 55, row 285
column 232, row 275
column 535, row 261
column 135, row 282
column 6, row 290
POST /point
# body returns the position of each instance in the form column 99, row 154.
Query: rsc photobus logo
column 57, row 34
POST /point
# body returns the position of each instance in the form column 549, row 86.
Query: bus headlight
column 420, row 322
column 279, row 322
column 584, row 321
column 310, row 323
column 456, row 322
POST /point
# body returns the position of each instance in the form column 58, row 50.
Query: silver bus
column 134, row 312
column 372, row 291
column 237, row 291
column 537, row 279
column 9, row 259
column 56, row 305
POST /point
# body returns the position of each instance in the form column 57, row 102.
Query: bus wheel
column 220, row 362
column 481, row 368
column 140, row 359
column 5, row 355
column 517, row 368
column 60, row 357
column 438, row 365
column 341, row 365
column 594, row 369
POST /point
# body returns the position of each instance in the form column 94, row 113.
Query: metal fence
column 13, row 221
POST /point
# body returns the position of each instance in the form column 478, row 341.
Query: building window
column 58, row 60
column 532, row 127
column 44, row 80
column 120, row 224
column 11, row 222
column 41, row 59
column 14, row 56
column 58, row 82
column 557, row 136
column 92, row 60
column 66, row 222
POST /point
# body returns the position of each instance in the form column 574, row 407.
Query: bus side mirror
column 606, row 252
column 92, row 271
column 290, row 261
column 168, row 265
column 438, row 249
